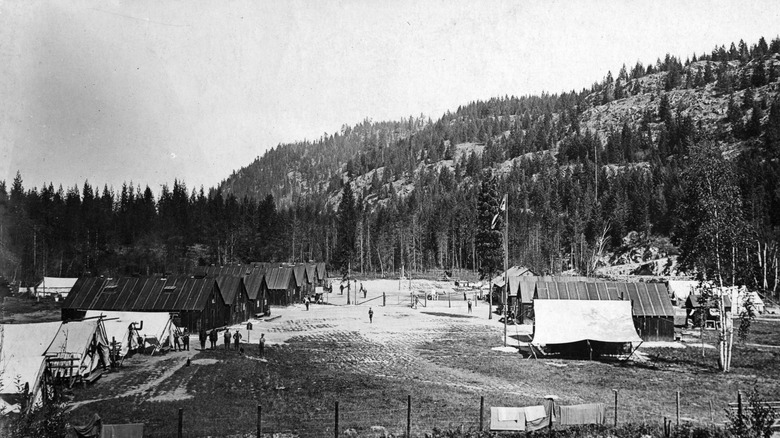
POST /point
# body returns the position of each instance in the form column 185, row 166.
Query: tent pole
column 632, row 351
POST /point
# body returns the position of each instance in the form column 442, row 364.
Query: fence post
column 481, row 411
column 449, row 300
column 678, row 409
column 181, row 423
column 384, row 300
column 336, row 429
column 739, row 406
column 259, row 421
column 616, row 406
column 408, row 416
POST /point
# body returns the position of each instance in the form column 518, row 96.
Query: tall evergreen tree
column 347, row 227
column 488, row 240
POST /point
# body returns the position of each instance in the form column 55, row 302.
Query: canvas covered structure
column 51, row 286
column 23, row 361
column 652, row 310
column 680, row 289
column 78, row 349
column 128, row 328
column 583, row 325
column 196, row 300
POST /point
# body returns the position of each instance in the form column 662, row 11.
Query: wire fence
column 401, row 419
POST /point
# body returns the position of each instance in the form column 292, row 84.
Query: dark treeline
column 573, row 192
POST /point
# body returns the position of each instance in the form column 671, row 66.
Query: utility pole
column 506, row 260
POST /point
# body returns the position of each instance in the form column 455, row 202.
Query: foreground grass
column 296, row 394
column 299, row 384
column 646, row 390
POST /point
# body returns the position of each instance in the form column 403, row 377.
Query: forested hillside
column 582, row 169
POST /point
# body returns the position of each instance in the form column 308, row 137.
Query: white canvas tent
column 680, row 289
column 55, row 286
column 739, row 297
column 145, row 325
column 568, row 321
column 78, row 348
column 22, row 361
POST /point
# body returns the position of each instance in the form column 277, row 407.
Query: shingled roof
column 140, row 293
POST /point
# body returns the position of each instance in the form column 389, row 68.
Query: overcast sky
column 150, row 91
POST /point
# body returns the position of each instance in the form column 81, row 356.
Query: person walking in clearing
column 261, row 343
column 370, row 315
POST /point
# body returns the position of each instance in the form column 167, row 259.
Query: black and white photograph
column 376, row 218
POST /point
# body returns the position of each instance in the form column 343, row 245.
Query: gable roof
column 140, row 293
column 278, row 278
column 229, row 286
column 322, row 272
column 253, row 283
column 300, row 274
column 514, row 271
column 311, row 272
column 524, row 287
column 648, row 299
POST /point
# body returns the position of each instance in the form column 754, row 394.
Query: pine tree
column 488, row 239
column 347, row 226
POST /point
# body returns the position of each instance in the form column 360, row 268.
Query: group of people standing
column 212, row 336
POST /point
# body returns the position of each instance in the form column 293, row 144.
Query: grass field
column 439, row 355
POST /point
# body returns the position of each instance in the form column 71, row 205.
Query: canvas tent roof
column 594, row 320
column 22, row 349
column 648, row 299
column 75, row 340
column 147, row 324
column 56, row 285
column 680, row 289
column 278, row 278
column 140, row 293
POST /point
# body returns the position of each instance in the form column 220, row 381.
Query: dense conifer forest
column 582, row 170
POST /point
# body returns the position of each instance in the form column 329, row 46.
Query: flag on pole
column 501, row 208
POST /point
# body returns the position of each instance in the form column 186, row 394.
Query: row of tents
column 34, row 356
column 214, row 297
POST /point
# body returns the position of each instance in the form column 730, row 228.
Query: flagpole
column 506, row 261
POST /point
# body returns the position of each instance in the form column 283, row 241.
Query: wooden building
column 235, row 297
column 280, row 285
column 196, row 302
column 256, row 290
column 652, row 309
